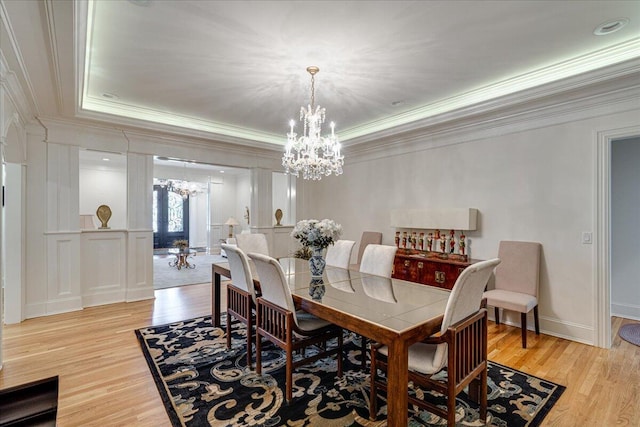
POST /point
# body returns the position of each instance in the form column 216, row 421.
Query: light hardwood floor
column 105, row 381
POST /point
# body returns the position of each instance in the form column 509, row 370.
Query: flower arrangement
column 181, row 243
column 317, row 234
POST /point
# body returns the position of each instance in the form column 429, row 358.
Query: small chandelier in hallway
column 312, row 154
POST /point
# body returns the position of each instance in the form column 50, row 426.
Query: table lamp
column 231, row 222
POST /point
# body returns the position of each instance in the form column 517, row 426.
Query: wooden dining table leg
column 215, row 300
column 397, row 383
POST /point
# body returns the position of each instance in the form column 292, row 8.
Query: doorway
column 603, row 238
column 170, row 217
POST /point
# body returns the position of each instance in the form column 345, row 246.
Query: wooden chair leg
column 249, row 344
column 496, row 311
column 523, row 321
column 258, row 354
column 373, row 393
column 289, row 379
column 536, row 320
column 228, row 331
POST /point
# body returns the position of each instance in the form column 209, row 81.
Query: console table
column 428, row 270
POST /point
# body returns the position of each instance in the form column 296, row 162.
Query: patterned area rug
column 202, row 383
column 630, row 332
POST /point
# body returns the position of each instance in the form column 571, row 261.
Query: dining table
column 392, row 312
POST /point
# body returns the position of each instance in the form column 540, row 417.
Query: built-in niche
column 102, row 181
column 284, row 198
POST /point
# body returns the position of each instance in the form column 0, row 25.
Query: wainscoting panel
column 63, row 275
column 103, row 268
column 140, row 265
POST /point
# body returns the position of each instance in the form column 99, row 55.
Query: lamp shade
column 232, row 221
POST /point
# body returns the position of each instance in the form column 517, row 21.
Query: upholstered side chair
column 339, row 254
column 516, row 282
column 378, row 260
column 460, row 346
column 253, row 243
column 241, row 295
column 367, row 238
column 278, row 321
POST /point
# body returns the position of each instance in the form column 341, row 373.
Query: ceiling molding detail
column 9, row 82
column 604, row 79
column 31, row 100
column 554, row 111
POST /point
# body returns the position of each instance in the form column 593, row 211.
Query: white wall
column 104, row 185
column 625, row 228
column 531, row 180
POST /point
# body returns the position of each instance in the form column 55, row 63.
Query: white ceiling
column 235, row 70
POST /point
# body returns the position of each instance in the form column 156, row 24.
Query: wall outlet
column 587, row 238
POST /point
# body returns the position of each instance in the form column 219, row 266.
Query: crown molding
column 579, row 72
column 553, row 110
column 29, row 100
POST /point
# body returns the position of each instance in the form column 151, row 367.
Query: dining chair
column 460, row 346
column 516, row 283
column 253, row 243
column 241, row 295
column 278, row 321
column 367, row 238
column 339, row 254
column 376, row 260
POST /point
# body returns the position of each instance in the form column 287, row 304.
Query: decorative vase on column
column 316, row 262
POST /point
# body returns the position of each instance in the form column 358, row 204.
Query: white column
column 140, row 231
column 62, row 234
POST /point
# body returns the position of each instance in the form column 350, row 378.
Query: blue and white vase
column 316, row 289
column 316, row 262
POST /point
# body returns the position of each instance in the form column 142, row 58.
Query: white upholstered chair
column 460, row 346
column 516, row 283
column 229, row 241
column 367, row 238
column 339, row 254
column 253, row 243
column 278, row 321
column 241, row 295
column 378, row 260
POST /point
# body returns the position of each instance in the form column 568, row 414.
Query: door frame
column 602, row 237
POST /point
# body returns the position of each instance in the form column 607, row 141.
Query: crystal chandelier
column 312, row 154
column 183, row 188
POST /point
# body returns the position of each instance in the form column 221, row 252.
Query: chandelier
column 183, row 188
column 312, row 154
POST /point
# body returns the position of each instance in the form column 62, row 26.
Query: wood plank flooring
column 105, row 381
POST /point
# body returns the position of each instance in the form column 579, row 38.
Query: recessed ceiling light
column 221, row 171
column 397, row 103
column 610, row 26
column 110, row 95
column 106, row 159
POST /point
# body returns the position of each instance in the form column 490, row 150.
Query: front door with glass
column 170, row 217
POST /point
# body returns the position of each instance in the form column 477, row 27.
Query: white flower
column 311, row 232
